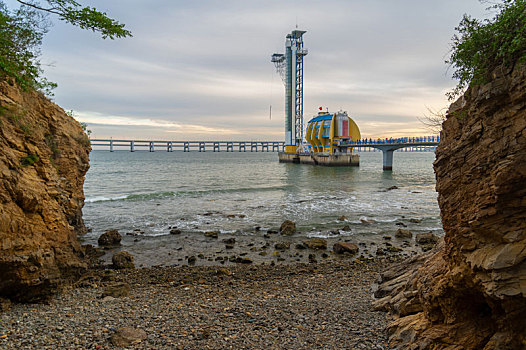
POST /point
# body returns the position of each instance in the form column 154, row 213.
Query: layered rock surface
column 471, row 292
column 43, row 159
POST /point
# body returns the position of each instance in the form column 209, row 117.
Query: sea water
column 238, row 193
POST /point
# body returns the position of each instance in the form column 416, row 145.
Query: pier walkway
column 388, row 146
column 187, row 146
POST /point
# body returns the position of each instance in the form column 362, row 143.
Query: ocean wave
column 167, row 194
column 104, row 199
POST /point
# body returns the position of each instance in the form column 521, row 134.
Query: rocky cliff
column 43, row 159
column 471, row 292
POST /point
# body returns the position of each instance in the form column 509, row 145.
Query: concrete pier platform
column 320, row 159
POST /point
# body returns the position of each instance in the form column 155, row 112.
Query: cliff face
column 471, row 293
column 43, row 159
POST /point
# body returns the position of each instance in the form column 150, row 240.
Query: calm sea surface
column 199, row 192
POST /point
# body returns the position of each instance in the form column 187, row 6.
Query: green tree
column 84, row 17
column 22, row 30
column 481, row 46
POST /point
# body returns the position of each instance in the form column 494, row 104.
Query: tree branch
column 52, row 10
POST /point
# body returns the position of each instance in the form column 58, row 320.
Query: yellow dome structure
column 325, row 132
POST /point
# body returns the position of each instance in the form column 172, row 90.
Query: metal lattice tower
column 290, row 68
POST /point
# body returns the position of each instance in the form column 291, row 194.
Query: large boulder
column 44, row 155
column 123, row 260
column 287, row 228
column 403, row 234
column 426, row 238
column 110, row 238
column 316, row 243
column 471, row 292
column 345, row 247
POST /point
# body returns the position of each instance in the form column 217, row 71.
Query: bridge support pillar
column 151, row 147
column 169, row 146
column 229, row 147
column 388, row 159
column 132, row 146
column 202, row 147
column 111, row 145
column 186, row 147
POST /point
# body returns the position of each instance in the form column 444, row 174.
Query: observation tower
column 290, row 68
column 327, row 132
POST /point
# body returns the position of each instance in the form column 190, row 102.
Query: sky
column 201, row 70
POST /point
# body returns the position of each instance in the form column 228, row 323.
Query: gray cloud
column 206, row 63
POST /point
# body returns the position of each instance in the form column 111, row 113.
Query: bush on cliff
column 481, row 46
column 22, row 30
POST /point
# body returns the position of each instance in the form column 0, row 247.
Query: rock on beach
column 401, row 233
column 316, row 243
column 110, row 238
column 287, row 228
column 123, row 260
column 345, row 247
column 127, row 336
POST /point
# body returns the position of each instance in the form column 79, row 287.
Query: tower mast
column 290, row 67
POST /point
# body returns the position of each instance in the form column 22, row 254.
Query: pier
column 187, row 146
column 389, row 145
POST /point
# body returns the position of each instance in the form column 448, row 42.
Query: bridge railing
column 398, row 140
column 187, row 146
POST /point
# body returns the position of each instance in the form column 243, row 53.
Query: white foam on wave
column 104, row 199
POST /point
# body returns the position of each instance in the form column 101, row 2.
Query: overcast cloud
column 202, row 70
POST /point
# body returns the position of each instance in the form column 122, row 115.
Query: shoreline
column 260, row 247
column 302, row 306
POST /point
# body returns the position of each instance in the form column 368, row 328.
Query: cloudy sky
column 201, row 69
